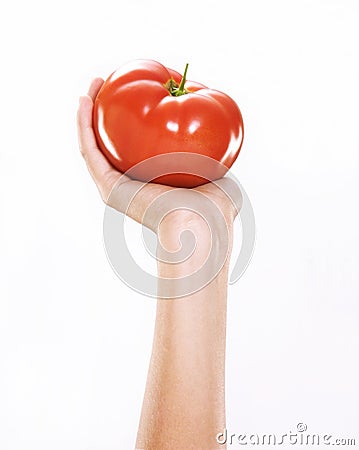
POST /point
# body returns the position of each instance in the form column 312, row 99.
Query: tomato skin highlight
column 136, row 118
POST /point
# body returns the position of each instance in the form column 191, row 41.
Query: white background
column 74, row 341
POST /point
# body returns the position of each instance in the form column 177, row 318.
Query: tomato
column 145, row 110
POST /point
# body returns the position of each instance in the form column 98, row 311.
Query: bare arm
column 184, row 402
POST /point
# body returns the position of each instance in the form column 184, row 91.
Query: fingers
column 232, row 191
column 227, row 193
column 103, row 173
column 95, row 87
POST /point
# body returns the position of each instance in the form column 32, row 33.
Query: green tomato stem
column 181, row 89
column 176, row 90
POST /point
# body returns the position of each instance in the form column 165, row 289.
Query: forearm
column 184, row 404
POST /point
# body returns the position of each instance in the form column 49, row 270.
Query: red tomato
column 145, row 110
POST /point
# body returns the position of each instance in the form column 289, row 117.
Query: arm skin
column 184, row 401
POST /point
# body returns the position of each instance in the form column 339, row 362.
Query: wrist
column 191, row 252
column 175, row 223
